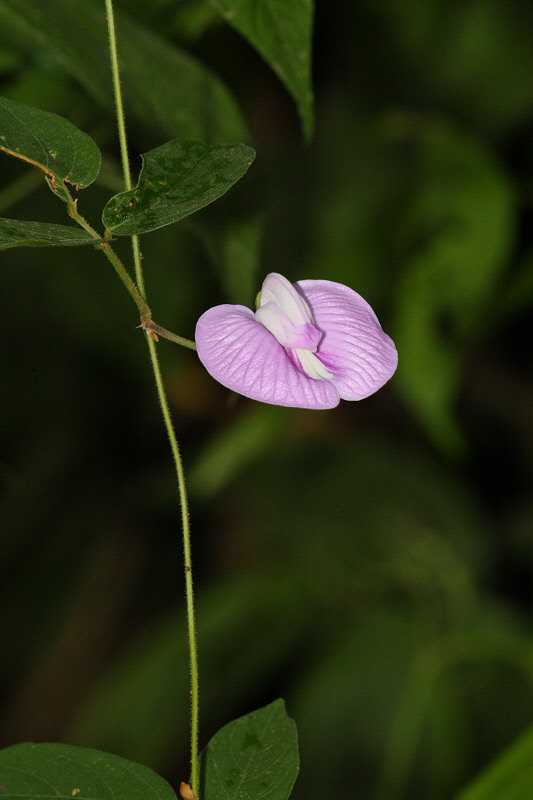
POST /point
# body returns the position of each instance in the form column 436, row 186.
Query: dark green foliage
column 509, row 778
column 176, row 180
column 252, row 758
column 19, row 233
column 281, row 32
column 64, row 153
column 29, row 771
column 167, row 89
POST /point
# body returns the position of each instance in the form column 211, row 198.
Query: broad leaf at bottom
column 254, row 757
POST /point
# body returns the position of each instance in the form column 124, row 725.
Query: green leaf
column 19, row 233
column 281, row 31
column 50, row 142
column 510, row 777
column 31, row 771
column 165, row 88
column 176, row 179
column 254, row 757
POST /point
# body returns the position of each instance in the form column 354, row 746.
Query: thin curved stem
column 151, row 328
column 142, row 305
column 147, row 323
column 121, row 124
column 191, row 623
column 113, row 52
column 122, row 272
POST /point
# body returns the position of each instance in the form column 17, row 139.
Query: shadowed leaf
column 31, row 771
column 509, row 778
column 19, row 233
column 462, row 213
column 166, row 88
column 45, row 140
column 176, row 179
column 254, row 757
column 281, row 32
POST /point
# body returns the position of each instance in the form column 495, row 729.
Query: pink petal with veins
column 243, row 355
column 342, row 353
column 354, row 347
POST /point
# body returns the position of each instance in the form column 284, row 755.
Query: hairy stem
column 113, row 52
column 191, row 623
column 152, row 328
column 122, row 272
column 121, row 124
column 189, row 594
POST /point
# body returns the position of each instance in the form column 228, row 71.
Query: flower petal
column 277, row 289
column 354, row 347
column 244, row 356
column 286, row 332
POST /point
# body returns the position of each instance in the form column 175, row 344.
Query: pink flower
column 309, row 344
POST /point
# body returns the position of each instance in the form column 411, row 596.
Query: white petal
column 286, row 332
column 277, row 289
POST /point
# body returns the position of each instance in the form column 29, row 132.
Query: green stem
column 150, row 326
column 121, row 124
column 137, row 261
column 146, row 315
column 118, row 94
column 191, row 623
column 142, row 305
column 122, row 272
column 189, row 594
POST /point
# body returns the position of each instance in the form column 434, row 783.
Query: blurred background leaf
column 168, row 90
column 456, row 236
column 282, row 33
column 510, row 777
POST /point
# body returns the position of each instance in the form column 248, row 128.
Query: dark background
column 371, row 564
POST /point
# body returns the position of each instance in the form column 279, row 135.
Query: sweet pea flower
column 309, row 344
